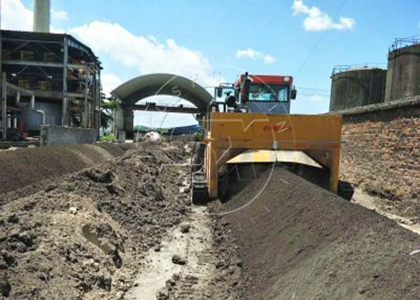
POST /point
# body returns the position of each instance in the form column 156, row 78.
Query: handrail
column 404, row 42
column 367, row 66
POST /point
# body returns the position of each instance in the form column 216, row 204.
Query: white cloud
column 109, row 83
column 59, row 14
column 15, row 16
column 255, row 55
column 317, row 98
column 317, row 20
column 146, row 54
column 268, row 59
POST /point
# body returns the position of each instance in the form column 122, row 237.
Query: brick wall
column 381, row 149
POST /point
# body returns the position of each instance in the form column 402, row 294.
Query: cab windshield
column 272, row 92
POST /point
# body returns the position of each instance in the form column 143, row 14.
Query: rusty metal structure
column 61, row 72
column 357, row 85
column 403, row 69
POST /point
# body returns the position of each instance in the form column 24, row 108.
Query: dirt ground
column 124, row 228
column 103, row 232
column 206, row 268
column 298, row 241
column 377, row 205
column 390, row 197
column 84, row 235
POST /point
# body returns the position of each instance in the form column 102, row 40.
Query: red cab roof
column 268, row 79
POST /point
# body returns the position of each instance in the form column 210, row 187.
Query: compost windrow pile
column 83, row 236
column 298, row 241
column 24, row 167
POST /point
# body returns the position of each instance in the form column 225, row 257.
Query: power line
column 314, row 95
column 312, row 89
column 319, row 40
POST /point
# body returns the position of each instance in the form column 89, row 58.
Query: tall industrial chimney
column 42, row 16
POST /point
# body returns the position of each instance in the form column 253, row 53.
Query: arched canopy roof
column 145, row 86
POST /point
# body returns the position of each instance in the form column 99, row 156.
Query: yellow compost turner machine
column 252, row 124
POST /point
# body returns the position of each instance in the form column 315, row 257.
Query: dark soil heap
column 298, row 241
column 83, row 236
column 29, row 166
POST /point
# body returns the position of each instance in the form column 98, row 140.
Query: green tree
column 107, row 107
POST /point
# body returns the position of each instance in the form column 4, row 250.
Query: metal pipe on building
column 98, row 107
column 1, row 46
column 64, row 119
column 94, row 95
column 42, row 113
column 4, row 106
column 32, row 101
column 17, row 98
column 86, row 108
column 20, row 91
column 42, row 16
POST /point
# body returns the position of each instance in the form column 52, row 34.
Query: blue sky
column 203, row 39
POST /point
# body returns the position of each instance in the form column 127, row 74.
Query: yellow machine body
column 251, row 137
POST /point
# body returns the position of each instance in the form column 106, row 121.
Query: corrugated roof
column 48, row 37
column 145, row 86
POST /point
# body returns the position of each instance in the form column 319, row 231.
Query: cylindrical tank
column 42, row 16
column 357, row 87
column 403, row 79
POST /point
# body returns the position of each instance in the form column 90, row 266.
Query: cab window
column 264, row 92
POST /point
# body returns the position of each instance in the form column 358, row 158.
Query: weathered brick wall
column 381, row 150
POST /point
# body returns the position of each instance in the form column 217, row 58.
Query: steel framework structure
column 56, row 68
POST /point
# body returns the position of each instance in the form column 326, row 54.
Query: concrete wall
column 121, row 136
column 67, row 135
column 381, row 149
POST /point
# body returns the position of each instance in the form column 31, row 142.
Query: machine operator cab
column 258, row 94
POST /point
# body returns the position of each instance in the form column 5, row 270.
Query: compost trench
column 86, row 227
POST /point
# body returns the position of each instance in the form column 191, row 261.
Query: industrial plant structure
column 356, row 86
column 403, row 79
column 42, row 15
column 47, row 79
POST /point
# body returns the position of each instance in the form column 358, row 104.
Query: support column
column 98, row 96
column 94, row 94
column 334, row 170
column 65, row 117
column 86, row 107
column 128, row 121
column 1, row 52
column 117, row 119
column 4, row 106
